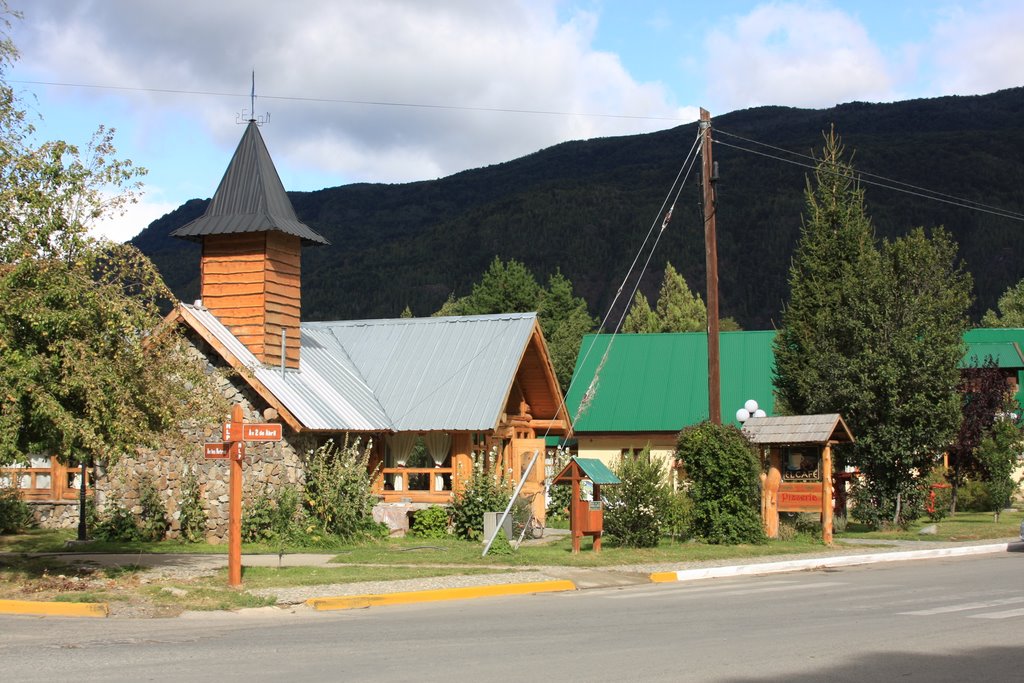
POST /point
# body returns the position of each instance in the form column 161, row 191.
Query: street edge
column 54, row 609
column 437, row 595
column 823, row 563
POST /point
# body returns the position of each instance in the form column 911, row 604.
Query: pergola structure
column 796, row 452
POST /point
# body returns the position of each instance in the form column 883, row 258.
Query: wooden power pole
column 711, row 260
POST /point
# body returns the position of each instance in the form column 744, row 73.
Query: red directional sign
column 267, row 431
column 215, row 450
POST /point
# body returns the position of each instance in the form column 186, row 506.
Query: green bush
column 558, row 506
column 484, row 492
column 152, row 521
column 275, row 516
column 192, row 520
column 15, row 514
column 339, row 489
column 635, row 509
column 116, row 523
column 973, row 497
column 997, row 454
column 725, row 484
column 501, row 545
column 870, row 508
column 678, row 517
column 430, row 523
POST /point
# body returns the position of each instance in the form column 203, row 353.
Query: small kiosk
column 796, row 454
column 586, row 508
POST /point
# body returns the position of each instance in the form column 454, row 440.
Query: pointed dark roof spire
column 250, row 198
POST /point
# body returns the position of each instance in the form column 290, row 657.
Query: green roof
column 1003, row 345
column 593, row 469
column 658, row 382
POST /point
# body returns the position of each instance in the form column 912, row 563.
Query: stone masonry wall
column 267, row 466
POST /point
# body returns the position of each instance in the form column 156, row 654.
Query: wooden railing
column 55, row 482
column 415, row 484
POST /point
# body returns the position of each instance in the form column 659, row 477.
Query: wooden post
column 826, row 494
column 711, row 260
column 235, row 453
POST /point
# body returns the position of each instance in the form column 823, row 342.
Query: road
column 927, row 620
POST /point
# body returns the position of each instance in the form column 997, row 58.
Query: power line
column 372, row 103
column 881, row 181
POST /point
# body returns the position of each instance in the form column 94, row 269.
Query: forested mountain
column 584, row 207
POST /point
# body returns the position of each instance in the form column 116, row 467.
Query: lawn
column 963, row 526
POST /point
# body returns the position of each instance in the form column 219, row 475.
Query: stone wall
column 267, row 466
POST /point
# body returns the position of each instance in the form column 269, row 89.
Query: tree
column 511, row 288
column 874, row 334
column 1011, row 309
column 725, row 483
column 87, row 371
column 678, row 309
column 983, row 395
column 564, row 319
column 640, row 319
column 997, row 454
column 908, row 365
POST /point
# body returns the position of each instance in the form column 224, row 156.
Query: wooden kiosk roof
column 797, row 429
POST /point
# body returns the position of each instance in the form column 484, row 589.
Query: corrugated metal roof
column 437, row 373
column 407, row 374
column 326, row 393
column 1006, row 354
column 658, row 382
column 250, row 198
column 797, row 429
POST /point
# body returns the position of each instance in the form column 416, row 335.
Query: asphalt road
column 927, row 620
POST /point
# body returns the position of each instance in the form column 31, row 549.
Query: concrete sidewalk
column 513, row 582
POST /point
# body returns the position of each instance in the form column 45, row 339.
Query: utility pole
column 711, row 259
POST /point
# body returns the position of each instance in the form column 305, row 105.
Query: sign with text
column 215, row 450
column 799, row 497
column 267, row 431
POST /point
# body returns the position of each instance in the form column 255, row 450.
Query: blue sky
column 598, row 68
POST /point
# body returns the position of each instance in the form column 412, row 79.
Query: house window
column 634, row 453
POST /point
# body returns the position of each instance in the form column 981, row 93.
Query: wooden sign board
column 802, row 497
column 267, row 431
column 215, row 450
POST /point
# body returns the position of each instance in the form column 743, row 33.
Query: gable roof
column 797, row 429
column 1002, row 344
column 408, row 374
column 250, row 198
column 659, row 382
column 591, row 468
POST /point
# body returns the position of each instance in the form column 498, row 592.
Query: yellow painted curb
column 664, row 577
column 466, row 593
column 54, row 609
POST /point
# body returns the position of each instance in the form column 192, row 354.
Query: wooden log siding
column 251, row 282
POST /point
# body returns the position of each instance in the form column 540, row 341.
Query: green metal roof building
column 658, row 382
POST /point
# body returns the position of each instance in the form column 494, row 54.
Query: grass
column 963, row 526
column 284, row 577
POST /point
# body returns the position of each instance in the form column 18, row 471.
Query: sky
column 393, row 91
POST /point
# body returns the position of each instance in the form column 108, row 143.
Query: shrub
column 725, row 484
column 152, row 522
column 275, row 516
column 484, row 492
column 558, row 506
column 116, row 523
column 678, row 515
column 192, row 521
column 501, row 545
column 878, row 512
column 430, row 523
column 339, row 489
column 997, row 454
column 635, row 509
column 15, row 514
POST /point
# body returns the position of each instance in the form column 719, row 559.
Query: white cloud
column 798, row 54
column 489, row 55
column 978, row 52
column 121, row 227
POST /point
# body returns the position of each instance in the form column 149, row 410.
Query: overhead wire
column 374, row 103
column 677, row 185
column 873, row 179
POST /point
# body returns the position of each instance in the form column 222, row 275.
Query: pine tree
column 640, row 319
column 678, row 309
column 564, row 319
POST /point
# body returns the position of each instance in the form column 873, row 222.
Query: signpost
column 236, row 433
